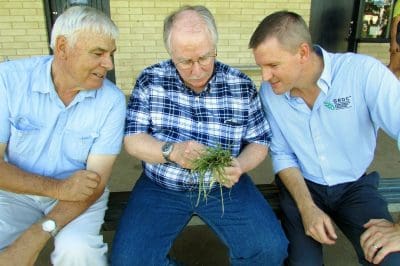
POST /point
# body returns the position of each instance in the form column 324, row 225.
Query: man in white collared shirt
column 61, row 126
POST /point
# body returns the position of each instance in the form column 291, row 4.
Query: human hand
column 185, row 152
column 318, row 225
column 231, row 174
column 78, row 187
column 380, row 238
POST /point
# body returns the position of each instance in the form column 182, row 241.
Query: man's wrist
column 49, row 226
column 166, row 151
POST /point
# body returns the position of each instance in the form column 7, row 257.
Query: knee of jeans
column 79, row 249
column 277, row 253
column 272, row 253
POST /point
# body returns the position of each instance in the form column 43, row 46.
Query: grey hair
column 288, row 28
column 202, row 11
column 80, row 19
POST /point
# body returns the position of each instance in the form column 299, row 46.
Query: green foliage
column 213, row 160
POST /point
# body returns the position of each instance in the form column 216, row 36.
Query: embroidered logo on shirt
column 339, row 103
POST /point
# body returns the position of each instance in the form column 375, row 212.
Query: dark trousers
column 350, row 206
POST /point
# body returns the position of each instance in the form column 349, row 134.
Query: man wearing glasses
column 177, row 109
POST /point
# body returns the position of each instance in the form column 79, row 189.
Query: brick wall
column 377, row 50
column 141, row 25
column 23, row 31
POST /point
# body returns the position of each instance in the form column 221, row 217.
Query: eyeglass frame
column 186, row 64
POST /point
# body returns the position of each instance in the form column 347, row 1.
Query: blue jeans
column 155, row 216
column 349, row 205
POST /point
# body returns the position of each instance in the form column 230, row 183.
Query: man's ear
column 60, row 49
column 304, row 51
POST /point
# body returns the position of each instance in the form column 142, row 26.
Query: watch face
column 49, row 225
column 167, row 148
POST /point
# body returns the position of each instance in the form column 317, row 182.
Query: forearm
column 31, row 242
column 144, row 147
column 317, row 224
column 251, row 156
column 18, row 181
column 393, row 31
column 295, row 184
column 26, row 248
column 66, row 211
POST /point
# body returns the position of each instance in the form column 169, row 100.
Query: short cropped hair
column 80, row 19
column 288, row 28
column 203, row 12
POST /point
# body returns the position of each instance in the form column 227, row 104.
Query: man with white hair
column 178, row 108
column 61, row 126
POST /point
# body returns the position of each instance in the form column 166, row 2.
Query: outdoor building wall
column 141, row 23
column 22, row 29
column 377, row 50
column 23, row 32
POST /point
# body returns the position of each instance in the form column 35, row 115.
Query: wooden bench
column 388, row 187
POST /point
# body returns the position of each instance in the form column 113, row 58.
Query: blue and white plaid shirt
column 227, row 113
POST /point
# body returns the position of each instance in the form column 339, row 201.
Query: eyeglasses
column 203, row 61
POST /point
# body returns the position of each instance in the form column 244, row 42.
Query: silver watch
column 50, row 226
column 166, row 150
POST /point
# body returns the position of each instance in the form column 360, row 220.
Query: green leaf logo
column 329, row 105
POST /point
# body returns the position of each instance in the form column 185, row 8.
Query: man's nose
column 196, row 68
column 266, row 74
column 107, row 62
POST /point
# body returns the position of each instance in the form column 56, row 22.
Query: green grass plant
column 213, row 160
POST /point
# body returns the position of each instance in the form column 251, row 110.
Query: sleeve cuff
column 280, row 163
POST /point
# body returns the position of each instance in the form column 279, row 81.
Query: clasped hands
column 185, row 152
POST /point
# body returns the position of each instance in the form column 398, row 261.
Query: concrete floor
column 197, row 245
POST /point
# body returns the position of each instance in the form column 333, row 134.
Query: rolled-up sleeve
column 258, row 130
column 137, row 113
column 281, row 154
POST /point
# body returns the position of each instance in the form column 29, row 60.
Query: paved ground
column 197, row 245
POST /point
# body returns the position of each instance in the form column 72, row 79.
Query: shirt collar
column 325, row 80
column 42, row 77
column 44, row 83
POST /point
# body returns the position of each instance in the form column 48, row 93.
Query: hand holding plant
column 213, row 160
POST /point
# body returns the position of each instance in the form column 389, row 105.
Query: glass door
column 374, row 20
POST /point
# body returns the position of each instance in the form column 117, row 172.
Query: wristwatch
column 50, row 226
column 166, row 150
